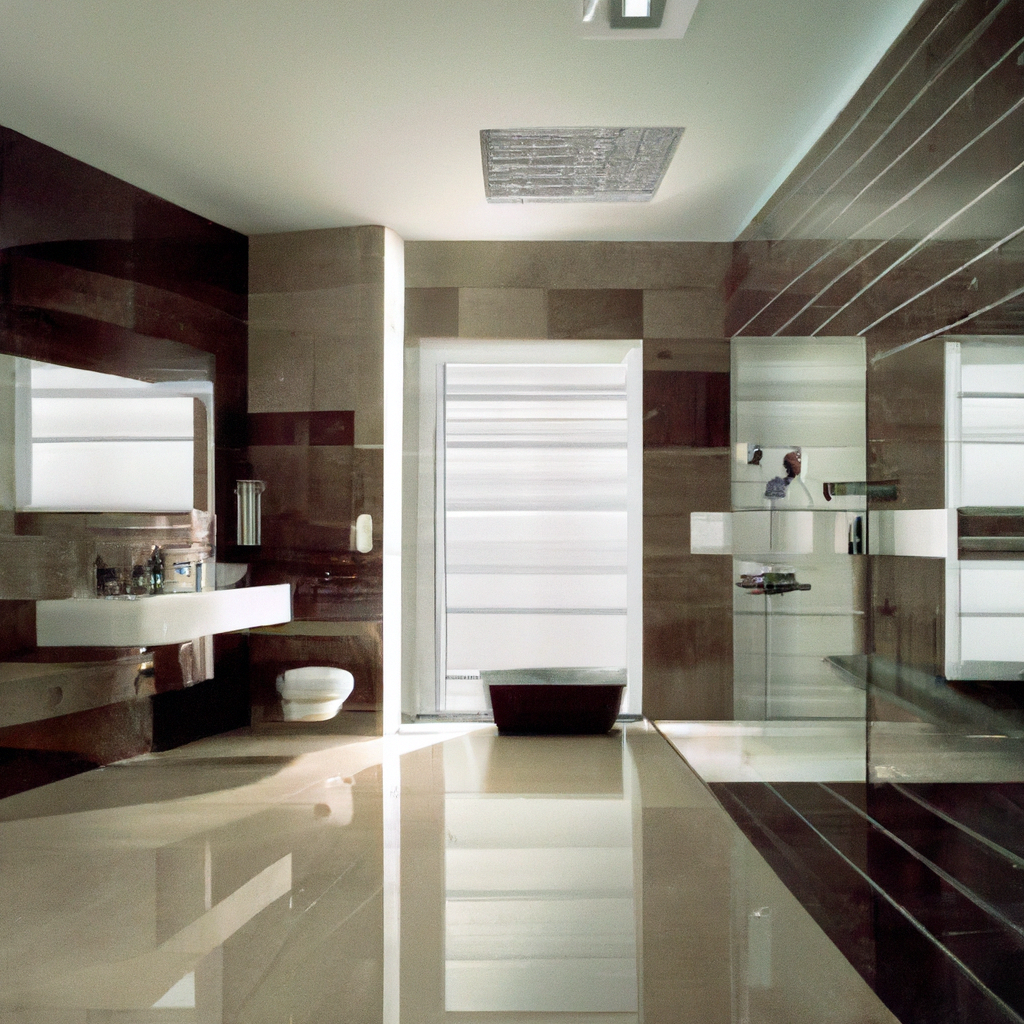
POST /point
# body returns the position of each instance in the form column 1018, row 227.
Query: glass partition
column 798, row 526
column 946, row 662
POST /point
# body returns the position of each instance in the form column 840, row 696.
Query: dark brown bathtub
column 549, row 702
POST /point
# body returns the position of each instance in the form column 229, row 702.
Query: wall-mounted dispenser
column 364, row 533
column 248, row 502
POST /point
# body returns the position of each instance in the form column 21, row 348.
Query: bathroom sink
column 161, row 619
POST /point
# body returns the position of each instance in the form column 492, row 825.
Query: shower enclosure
column 798, row 525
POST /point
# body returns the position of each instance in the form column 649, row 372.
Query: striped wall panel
column 908, row 215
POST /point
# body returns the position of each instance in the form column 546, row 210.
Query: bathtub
column 555, row 701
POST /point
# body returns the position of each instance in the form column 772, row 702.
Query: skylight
column 576, row 165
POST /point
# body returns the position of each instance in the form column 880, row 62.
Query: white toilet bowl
column 313, row 693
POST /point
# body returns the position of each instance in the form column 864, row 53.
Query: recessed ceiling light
column 613, row 19
column 645, row 14
column 576, row 165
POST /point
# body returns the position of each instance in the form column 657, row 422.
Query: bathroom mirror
column 77, row 440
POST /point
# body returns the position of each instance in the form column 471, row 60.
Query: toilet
column 313, row 693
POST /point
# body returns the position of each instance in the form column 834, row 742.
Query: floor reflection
column 429, row 878
column 540, row 913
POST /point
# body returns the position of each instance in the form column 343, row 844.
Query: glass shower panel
column 799, row 521
column 534, row 524
column 948, row 656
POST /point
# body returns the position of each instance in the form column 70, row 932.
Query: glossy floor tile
column 794, row 751
column 428, row 877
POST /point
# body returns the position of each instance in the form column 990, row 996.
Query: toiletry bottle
column 157, row 570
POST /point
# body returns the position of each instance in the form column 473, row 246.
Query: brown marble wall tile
column 688, row 408
column 298, row 478
column 688, row 660
column 684, row 313
column 566, row 265
column 906, row 420
column 331, row 429
column 38, row 568
column 281, row 370
column 595, row 313
column 296, row 261
column 17, row 627
column 331, row 481
column 100, row 735
column 678, row 481
column 907, row 623
column 431, row 312
column 349, row 375
column 320, row 347
column 301, row 428
column 688, row 645
column 502, row 313
column 151, row 311
column 708, row 355
column 347, row 309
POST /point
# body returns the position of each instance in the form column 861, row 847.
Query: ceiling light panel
column 576, row 165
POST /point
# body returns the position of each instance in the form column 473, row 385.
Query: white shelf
column 162, row 619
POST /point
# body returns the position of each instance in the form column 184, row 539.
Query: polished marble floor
column 462, row 876
column 781, row 751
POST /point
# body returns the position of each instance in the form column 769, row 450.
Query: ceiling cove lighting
column 576, row 165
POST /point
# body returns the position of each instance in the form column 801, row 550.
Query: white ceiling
column 272, row 115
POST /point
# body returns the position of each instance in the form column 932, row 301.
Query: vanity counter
column 160, row 619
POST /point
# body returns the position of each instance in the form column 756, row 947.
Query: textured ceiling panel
column 576, row 165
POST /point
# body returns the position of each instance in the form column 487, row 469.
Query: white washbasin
column 162, row 619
